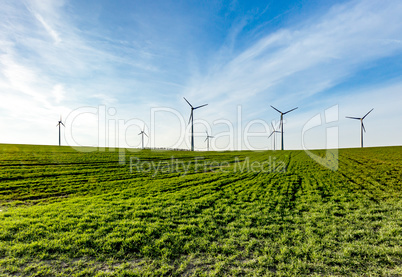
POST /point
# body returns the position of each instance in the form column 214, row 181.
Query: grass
column 68, row 212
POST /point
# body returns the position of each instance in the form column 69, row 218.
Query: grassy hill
column 99, row 213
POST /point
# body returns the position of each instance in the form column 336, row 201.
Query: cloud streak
column 310, row 58
column 51, row 32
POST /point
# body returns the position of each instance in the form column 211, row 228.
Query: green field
column 72, row 213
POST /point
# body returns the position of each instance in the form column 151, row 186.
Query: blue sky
column 111, row 68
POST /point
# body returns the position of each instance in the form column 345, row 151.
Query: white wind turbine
column 361, row 126
column 192, row 121
column 142, row 133
column 207, row 139
column 273, row 133
column 59, row 125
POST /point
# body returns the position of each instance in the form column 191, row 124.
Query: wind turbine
column 142, row 133
column 282, row 114
column 207, row 139
column 362, row 126
column 59, row 124
column 191, row 119
column 273, row 133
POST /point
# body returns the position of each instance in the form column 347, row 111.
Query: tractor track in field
column 363, row 177
column 22, row 164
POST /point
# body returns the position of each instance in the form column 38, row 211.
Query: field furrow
column 66, row 212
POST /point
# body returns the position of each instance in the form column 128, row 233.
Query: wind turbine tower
column 192, row 121
column 59, row 125
column 362, row 126
column 281, row 123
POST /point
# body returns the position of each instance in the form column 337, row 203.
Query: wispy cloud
column 309, row 58
column 49, row 29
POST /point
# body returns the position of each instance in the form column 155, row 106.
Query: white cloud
column 105, row 99
column 58, row 93
column 52, row 32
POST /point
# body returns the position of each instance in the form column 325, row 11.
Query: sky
column 110, row 69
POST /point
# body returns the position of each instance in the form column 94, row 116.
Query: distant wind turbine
column 192, row 121
column 207, row 139
column 59, row 124
column 362, row 126
column 273, row 133
column 281, row 123
column 142, row 133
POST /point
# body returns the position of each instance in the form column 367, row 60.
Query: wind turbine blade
column 63, row 124
column 368, row 113
column 140, row 133
column 58, row 124
column 364, row 129
column 188, row 102
column 191, row 116
column 145, row 134
column 352, row 117
column 271, row 134
column 273, row 128
column 201, row 106
column 276, row 109
column 205, row 139
column 211, row 136
column 290, row 110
